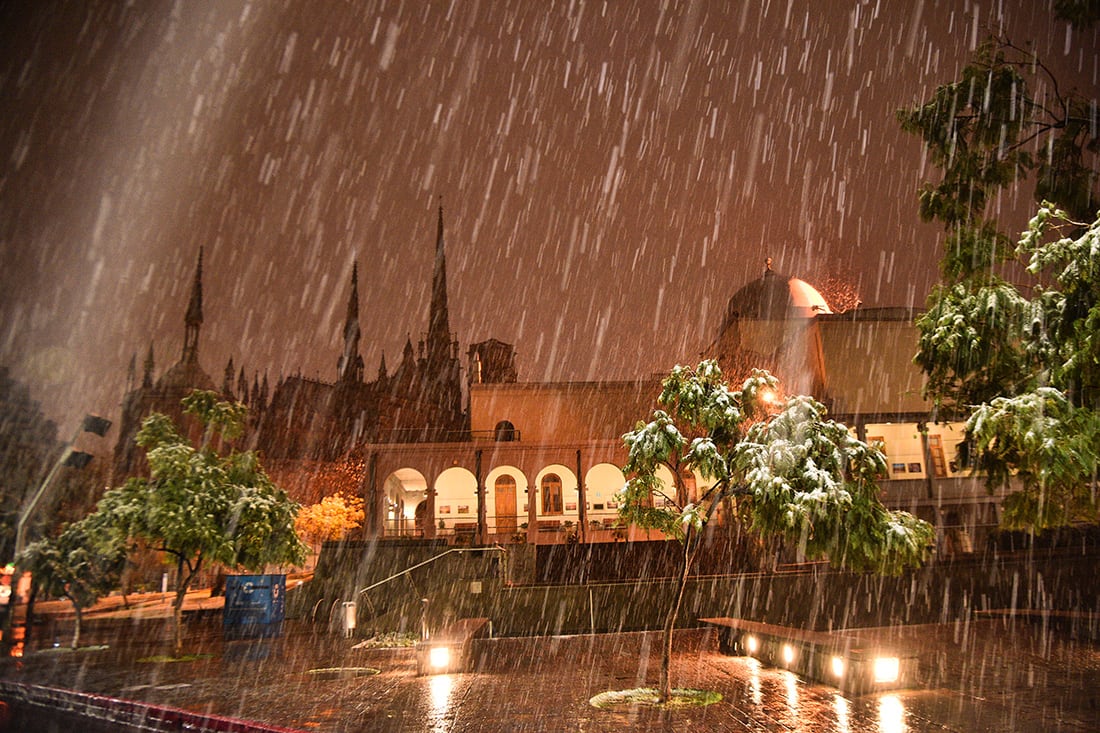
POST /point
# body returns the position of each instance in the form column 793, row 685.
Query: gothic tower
column 439, row 329
column 441, row 376
column 349, row 368
column 164, row 394
column 193, row 320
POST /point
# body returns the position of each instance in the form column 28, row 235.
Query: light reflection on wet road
column 543, row 685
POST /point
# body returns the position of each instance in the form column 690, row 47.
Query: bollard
column 349, row 618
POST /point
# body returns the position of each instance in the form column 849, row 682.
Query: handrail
column 406, row 571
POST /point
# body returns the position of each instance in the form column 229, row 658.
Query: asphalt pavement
column 996, row 674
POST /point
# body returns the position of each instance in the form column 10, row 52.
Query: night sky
column 610, row 173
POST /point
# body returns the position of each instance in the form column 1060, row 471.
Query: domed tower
column 768, row 325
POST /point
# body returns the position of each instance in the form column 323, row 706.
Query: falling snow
column 610, row 173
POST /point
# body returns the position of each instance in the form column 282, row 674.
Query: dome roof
column 807, row 298
column 775, row 297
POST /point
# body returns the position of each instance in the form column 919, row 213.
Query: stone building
column 308, row 422
column 421, row 401
column 540, row 462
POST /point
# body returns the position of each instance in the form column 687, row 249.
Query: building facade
column 494, row 459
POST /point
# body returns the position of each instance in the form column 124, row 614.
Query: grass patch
column 342, row 673
column 647, row 696
column 165, row 659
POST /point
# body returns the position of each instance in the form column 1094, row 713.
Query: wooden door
column 504, row 492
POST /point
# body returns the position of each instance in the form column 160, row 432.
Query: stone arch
column 455, row 497
column 602, row 483
column 406, row 493
column 504, row 432
column 668, row 485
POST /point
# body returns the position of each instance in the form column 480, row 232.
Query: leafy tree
column 792, row 473
column 1042, row 438
column 82, row 564
column 330, row 519
column 1081, row 13
column 1005, row 120
column 200, row 506
column 1022, row 362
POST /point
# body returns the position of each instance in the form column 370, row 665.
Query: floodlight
column 439, row 657
column 887, row 669
column 838, row 666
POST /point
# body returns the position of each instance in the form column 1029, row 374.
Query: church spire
column 227, row 379
column 131, row 374
column 147, row 374
column 350, row 365
column 439, row 329
column 193, row 320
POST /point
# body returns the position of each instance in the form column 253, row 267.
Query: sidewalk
column 143, row 605
column 133, row 606
column 989, row 675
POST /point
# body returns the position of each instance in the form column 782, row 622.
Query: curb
column 20, row 700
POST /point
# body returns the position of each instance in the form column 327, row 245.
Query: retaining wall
column 810, row 596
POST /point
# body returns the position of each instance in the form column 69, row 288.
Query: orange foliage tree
column 330, row 519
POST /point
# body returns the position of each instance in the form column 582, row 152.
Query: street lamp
column 68, row 457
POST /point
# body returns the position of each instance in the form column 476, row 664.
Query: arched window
column 551, row 494
column 505, row 432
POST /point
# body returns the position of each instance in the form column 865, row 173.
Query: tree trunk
column 177, row 620
column 28, row 619
column 664, row 692
column 79, row 617
column 182, row 585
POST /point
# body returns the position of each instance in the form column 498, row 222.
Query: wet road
column 986, row 676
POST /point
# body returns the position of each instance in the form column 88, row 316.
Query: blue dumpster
column 254, row 606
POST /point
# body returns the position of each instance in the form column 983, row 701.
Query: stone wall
column 483, row 583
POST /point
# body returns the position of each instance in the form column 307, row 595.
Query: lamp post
column 68, row 457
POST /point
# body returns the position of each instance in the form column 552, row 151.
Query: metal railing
column 406, row 571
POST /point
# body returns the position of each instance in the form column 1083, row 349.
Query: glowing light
column 788, row 654
column 842, row 705
column 887, row 669
column 837, row 665
column 440, row 688
column 754, row 681
column 791, row 683
column 439, row 657
column 891, row 715
column 752, row 645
